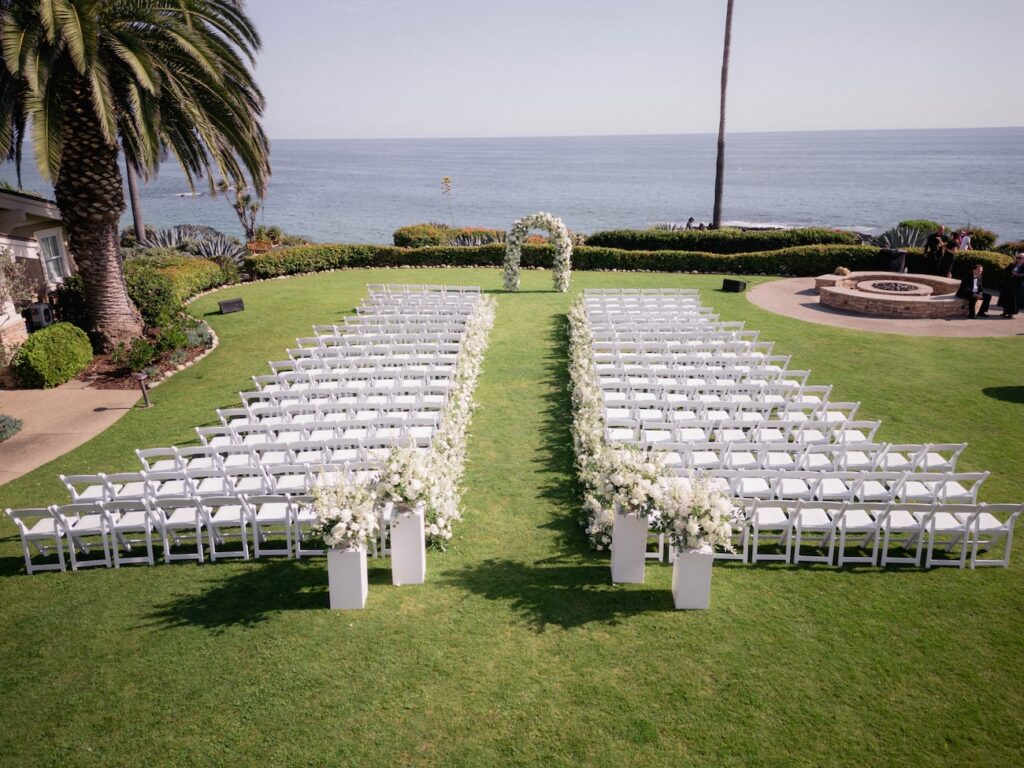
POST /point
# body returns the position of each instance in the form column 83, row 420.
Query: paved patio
column 55, row 421
column 795, row 297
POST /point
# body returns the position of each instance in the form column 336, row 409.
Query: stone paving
column 56, row 420
column 796, row 298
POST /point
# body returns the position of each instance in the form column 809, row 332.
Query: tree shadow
column 1006, row 394
column 250, row 597
column 563, row 592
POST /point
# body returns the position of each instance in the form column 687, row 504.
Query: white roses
column 514, row 249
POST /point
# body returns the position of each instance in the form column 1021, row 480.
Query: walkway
column 795, row 297
column 56, row 420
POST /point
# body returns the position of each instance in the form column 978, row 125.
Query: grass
column 518, row 650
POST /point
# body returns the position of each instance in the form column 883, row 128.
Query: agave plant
column 220, row 247
column 898, row 238
column 478, row 238
column 669, row 226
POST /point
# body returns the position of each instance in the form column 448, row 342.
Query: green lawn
column 518, row 650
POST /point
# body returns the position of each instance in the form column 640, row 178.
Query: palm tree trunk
column 716, row 221
column 133, row 193
column 90, row 195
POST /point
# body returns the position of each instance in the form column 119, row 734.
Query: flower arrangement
column 406, row 477
column 346, row 511
column 633, row 484
column 695, row 512
column 514, row 248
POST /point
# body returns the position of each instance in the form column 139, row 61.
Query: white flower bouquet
column 696, row 512
column 346, row 512
column 633, row 481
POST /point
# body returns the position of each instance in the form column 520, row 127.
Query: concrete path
column 56, row 420
column 796, row 298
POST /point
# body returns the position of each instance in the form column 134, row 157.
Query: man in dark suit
column 972, row 289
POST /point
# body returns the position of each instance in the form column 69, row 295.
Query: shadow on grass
column 1006, row 394
column 250, row 597
column 563, row 592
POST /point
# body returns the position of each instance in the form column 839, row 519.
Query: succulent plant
column 901, row 237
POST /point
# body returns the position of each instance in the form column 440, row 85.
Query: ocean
column 362, row 190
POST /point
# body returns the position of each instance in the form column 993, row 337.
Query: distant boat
column 189, row 194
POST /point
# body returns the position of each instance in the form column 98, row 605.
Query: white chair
column 178, row 519
column 987, row 523
column 125, row 518
column 270, row 515
column 305, row 518
column 771, row 520
column 37, row 526
column 83, row 524
column 905, row 525
column 84, row 488
column 860, row 519
column 818, row 517
column 225, row 517
column 953, row 522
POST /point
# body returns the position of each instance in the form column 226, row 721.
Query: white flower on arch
column 514, row 249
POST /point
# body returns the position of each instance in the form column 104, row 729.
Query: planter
column 408, row 545
column 346, row 577
column 691, row 578
column 629, row 548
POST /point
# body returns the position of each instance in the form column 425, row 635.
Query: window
column 51, row 250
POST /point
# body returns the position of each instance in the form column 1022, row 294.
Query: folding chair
column 861, row 519
column 270, row 515
column 772, row 518
column 906, row 525
column 177, row 518
column 225, row 517
column 816, row 517
column 83, row 523
column 988, row 524
column 124, row 518
column 36, row 526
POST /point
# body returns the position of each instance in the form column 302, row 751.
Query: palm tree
column 150, row 75
column 716, row 220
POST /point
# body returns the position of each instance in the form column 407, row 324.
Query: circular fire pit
column 888, row 294
column 902, row 287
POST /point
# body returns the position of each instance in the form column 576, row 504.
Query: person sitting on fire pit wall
column 971, row 288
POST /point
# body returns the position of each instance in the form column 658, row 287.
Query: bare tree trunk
column 133, row 193
column 90, row 195
column 716, row 221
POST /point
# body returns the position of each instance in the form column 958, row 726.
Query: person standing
column 965, row 240
column 948, row 255
column 933, row 249
column 689, row 223
column 972, row 289
column 1012, row 289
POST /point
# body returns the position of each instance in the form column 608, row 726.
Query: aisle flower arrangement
column 695, row 513
column 562, row 265
column 433, row 477
column 346, row 511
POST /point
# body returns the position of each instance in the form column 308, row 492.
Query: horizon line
column 630, row 135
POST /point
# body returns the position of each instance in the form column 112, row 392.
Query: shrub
column 198, row 335
column 52, row 356
column 140, row 354
column 719, row 240
column 982, row 239
column 801, row 260
column 424, row 235
column 1011, row 248
column 171, row 337
column 925, row 225
column 69, row 302
column 9, row 426
column 159, row 282
column 152, row 292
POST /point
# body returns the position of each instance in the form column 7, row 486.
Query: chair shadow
column 250, row 597
column 1006, row 394
column 564, row 592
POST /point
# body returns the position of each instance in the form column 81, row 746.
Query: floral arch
column 514, row 249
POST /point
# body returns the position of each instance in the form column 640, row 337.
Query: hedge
column 719, row 240
column 423, row 235
column 52, row 356
column 159, row 285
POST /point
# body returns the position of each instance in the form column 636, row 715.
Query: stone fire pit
column 889, row 294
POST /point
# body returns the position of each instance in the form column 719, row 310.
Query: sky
column 461, row 68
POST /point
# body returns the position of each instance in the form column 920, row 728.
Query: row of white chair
column 754, row 430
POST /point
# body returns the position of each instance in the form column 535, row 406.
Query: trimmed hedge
column 719, row 240
column 800, row 261
column 424, row 235
column 52, row 356
column 159, row 285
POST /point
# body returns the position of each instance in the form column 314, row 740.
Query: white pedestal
column 346, row 577
column 408, row 546
column 629, row 548
column 691, row 578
